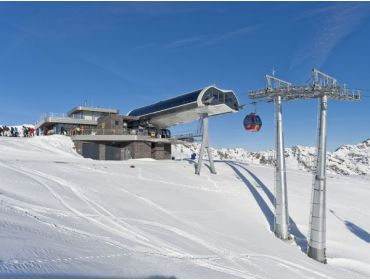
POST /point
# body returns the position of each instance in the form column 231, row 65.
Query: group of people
column 13, row 131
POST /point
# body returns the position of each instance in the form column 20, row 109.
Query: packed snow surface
column 65, row 216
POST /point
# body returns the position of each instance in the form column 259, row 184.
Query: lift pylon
column 205, row 146
column 281, row 224
column 323, row 87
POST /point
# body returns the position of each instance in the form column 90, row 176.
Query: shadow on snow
column 355, row 229
column 299, row 237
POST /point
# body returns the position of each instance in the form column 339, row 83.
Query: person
column 25, row 131
column 5, row 130
column 12, row 131
column 16, row 133
column 31, row 131
column 193, row 156
column 62, row 130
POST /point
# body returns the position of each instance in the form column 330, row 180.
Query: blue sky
column 53, row 56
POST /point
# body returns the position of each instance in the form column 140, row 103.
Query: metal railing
column 64, row 116
column 119, row 131
column 109, row 131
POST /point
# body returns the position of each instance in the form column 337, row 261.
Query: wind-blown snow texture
column 65, row 216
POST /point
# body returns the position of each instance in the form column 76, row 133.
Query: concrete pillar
column 101, row 151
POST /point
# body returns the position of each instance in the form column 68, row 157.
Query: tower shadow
column 259, row 199
column 299, row 238
column 355, row 229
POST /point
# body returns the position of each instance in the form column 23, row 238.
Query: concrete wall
column 112, row 152
column 91, row 150
column 161, row 151
column 107, row 124
column 123, row 150
column 140, row 149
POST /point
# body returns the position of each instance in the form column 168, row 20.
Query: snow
column 65, row 216
column 346, row 160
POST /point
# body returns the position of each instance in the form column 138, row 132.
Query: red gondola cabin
column 252, row 122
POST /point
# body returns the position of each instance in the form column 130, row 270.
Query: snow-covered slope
column 65, row 216
column 346, row 160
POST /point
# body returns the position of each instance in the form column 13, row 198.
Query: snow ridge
column 346, row 160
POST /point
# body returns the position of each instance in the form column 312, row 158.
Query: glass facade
column 88, row 115
column 167, row 104
column 212, row 96
column 215, row 96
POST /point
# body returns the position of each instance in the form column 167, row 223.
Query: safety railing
column 119, row 131
column 65, row 116
column 108, row 131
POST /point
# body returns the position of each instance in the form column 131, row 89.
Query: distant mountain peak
column 346, row 160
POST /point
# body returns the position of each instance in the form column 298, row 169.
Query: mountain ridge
column 349, row 159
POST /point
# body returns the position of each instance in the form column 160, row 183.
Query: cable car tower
column 322, row 87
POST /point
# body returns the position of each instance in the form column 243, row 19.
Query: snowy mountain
column 346, row 160
column 64, row 216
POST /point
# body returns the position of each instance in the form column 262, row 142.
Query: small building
column 103, row 134
column 122, row 138
column 79, row 119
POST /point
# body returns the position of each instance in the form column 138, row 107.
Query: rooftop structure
column 93, row 112
column 81, row 116
column 189, row 107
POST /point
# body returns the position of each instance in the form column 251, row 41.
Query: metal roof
column 189, row 107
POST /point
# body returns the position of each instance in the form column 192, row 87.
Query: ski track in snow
column 171, row 253
column 117, row 231
column 204, row 261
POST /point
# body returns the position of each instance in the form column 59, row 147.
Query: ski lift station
column 103, row 134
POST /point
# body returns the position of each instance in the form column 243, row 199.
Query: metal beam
column 205, row 146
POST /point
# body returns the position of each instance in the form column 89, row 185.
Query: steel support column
column 205, row 146
column 281, row 197
column 317, row 235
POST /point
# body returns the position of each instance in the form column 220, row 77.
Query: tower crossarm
column 305, row 92
column 273, row 82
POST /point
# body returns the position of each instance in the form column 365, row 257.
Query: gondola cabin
column 252, row 122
